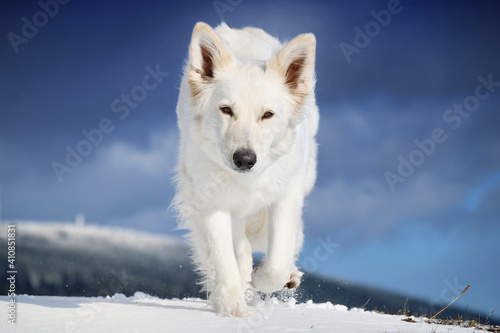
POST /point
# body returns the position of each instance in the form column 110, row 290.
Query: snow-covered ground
column 143, row 313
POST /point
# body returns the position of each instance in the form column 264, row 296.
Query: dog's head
column 248, row 110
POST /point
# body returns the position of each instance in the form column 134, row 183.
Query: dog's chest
column 245, row 201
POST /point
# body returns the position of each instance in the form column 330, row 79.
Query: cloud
column 155, row 160
column 364, row 209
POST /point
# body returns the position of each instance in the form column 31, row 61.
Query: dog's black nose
column 244, row 159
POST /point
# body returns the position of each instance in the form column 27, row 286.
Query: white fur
column 231, row 213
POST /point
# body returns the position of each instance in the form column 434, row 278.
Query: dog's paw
column 229, row 302
column 269, row 281
column 295, row 279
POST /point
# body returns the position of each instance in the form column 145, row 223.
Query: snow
column 144, row 313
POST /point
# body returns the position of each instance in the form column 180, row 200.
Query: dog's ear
column 295, row 62
column 207, row 54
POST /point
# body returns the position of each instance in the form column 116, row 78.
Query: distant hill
column 84, row 260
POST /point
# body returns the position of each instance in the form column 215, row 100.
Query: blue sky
column 400, row 90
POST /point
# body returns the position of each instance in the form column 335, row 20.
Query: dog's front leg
column 243, row 252
column 284, row 237
column 224, row 281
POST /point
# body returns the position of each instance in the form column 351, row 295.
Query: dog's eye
column 226, row 110
column 267, row 115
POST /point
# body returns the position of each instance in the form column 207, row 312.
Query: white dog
column 247, row 117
